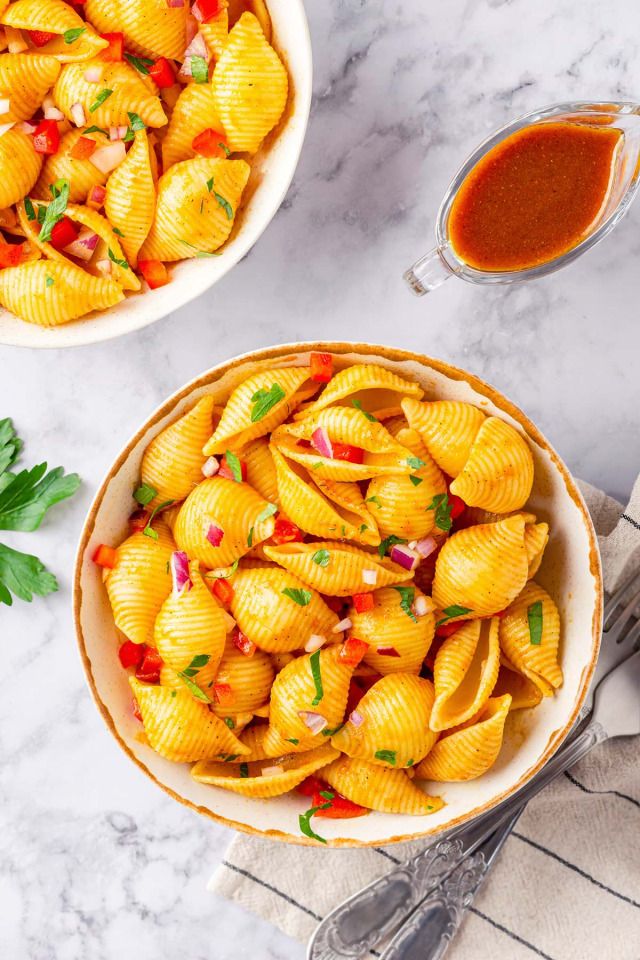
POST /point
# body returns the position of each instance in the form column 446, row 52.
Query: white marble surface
column 94, row 861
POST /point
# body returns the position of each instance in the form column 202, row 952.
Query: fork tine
column 617, row 598
column 619, row 623
column 632, row 637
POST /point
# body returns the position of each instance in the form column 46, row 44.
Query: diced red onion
column 5, row 105
column 370, row 577
column 426, row 546
column 84, row 245
column 314, row 721
column 320, row 440
column 215, row 535
column 422, row 606
column 93, row 74
column 197, row 47
column 315, row 641
column 272, row 771
column 210, row 467
column 50, row 110
column 5, row 127
column 388, row 652
column 175, row 3
column 78, row 114
column 104, row 267
column 96, row 196
column 356, row 719
column 180, row 572
column 26, row 127
column 118, row 133
column 404, row 557
column 109, row 157
column 345, row 624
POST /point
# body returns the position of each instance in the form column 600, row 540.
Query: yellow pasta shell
column 193, row 113
column 130, row 95
column 498, row 475
column 24, row 291
column 369, row 385
column 538, row 662
column 394, row 731
column 448, row 429
column 172, row 463
column 271, row 619
column 349, row 503
column 536, row 537
column 55, row 16
column 150, row 27
column 20, row 166
column 215, row 33
column 388, row 625
column 378, row 788
column 189, row 218
column 465, row 673
column 261, row 470
column 343, row 574
column 523, row 692
column 258, row 8
column 294, row 692
column 264, row 741
column 140, row 582
column 81, row 174
column 180, row 728
column 250, row 86
column 250, row 679
column 470, row 752
column 131, row 197
column 482, row 568
column 25, row 80
column 253, row 783
column 235, row 508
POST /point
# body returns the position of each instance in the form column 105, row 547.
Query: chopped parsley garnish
column 293, row 740
column 50, row 281
column 137, row 123
column 230, row 723
column 407, row 596
column 55, row 211
column 210, row 184
column 100, row 99
column 250, row 538
column 226, row 206
column 365, row 413
column 198, row 662
column 410, row 763
column 416, row 481
column 388, row 756
column 363, row 527
column 224, row 148
column 129, row 136
column 268, row 511
column 28, row 206
column 317, row 464
column 117, row 232
column 301, row 597
column 415, row 463
column 233, row 462
column 385, row 545
column 322, row 558
column 244, row 770
column 229, row 757
column 305, row 821
column 264, row 400
column 141, row 64
column 534, row 616
column 453, row 611
column 375, row 500
column 199, row 69
column 314, row 661
column 442, row 507
column 332, row 733
column 70, row 36
column 145, row 494
column 119, row 263
column 148, row 530
column 199, row 253
column 222, row 574
column 327, row 794
column 96, row 130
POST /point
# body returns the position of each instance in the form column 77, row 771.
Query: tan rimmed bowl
column 570, row 572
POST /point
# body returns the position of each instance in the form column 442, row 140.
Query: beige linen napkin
column 567, row 883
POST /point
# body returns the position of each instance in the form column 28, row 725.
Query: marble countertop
column 95, row 862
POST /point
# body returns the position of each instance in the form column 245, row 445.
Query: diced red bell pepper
column 10, row 254
column 210, row 143
column 344, row 451
column 162, row 73
column 457, row 505
column 339, row 807
column 115, row 50
column 243, row 644
column 131, row 654
column 311, row 785
column 448, row 629
column 285, row 531
column 83, row 148
column 205, row 10
column 321, row 367
column 154, row 272
column 352, row 651
column 363, row 602
column 223, row 694
column 223, row 590
column 64, row 233
column 148, row 670
column 136, row 710
column 226, row 471
column 105, row 556
column 138, row 520
column 46, row 137
column 40, row 37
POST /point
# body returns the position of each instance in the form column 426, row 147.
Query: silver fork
column 371, row 915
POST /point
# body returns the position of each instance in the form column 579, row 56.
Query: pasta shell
column 264, row 741
column 250, row 86
column 81, row 175
column 536, row 537
column 465, row 673
column 296, row 691
column 180, row 728
column 250, row 679
column 470, row 752
column 342, row 575
column 25, row 80
column 536, row 661
column 272, row 619
column 393, row 723
column 241, row 420
column 350, row 505
column 391, row 626
column 234, row 508
column 172, row 463
column 261, row 470
column 258, row 8
column 129, row 95
column 193, row 113
column 481, row 569
column 131, row 197
column 498, row 474
column 365, row 384
column 150, row 27
column 254, row 779
column 379, row 788
column 27, row 291
column 216, row 33
column 20, row 166
column 523, row 692
column 55, row 16
column 197, row 199
column 448, row 429
column 140, row 582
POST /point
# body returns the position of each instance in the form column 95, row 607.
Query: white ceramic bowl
column 272, row 171
column 570, row 571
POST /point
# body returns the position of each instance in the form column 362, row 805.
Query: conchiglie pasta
column 264, row 741
column 193, row 113
column 448, row 429
column 172, row 463
column 471, row 751
column 20, row 166
column 58, row 17
column 341, row 570
column 364, row 385
column 216, row 32
column 271, row 618
column 131, row 197
column 50, row 293
column 129, row 94
column 249, row 678
column 530, row 638
column 81, row 175
column 250, row 86
column 261, row 778
column 350, row 505
column 523, row 692
column 150, row 27
column 498, row 474
column 536, row 537
column 378, row 788
column 398, row 639
column 236, row 8
column 25, row 80
column 313, row 685
column 465, row 673
column 261, row 471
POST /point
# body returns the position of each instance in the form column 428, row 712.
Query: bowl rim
column 342, row 347
column 78, row 333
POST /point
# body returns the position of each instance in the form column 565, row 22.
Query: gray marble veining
column 96, row 863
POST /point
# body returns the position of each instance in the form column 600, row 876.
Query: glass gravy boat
column 442, row 262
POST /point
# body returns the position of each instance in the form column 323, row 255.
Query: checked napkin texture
column 567, row 883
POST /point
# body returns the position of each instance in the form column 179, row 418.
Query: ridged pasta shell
column 25, row 80
column 25, row 291
column 140, row 582
column 55, row 16
column 465, row 673
column 538, row 662
column 258, row 8
column 523, row 692
column 295, row 691
column 394, row 728
column 250, row 86
column 188, row 208
column 261, row 470
column 193, row 113
column 264, row 741
column 350, row 505
column 271, row 619
column 498, row 474
column 236, row 426
column 481, row 568
column 536, row 537
column 250, row 679
column 82, row 175
column 172, row 463
column 379, row 788
column 180, row 728
column 131, row 197
column 470, row 752
column 130, row 95
column 388, row 626
column 150, row 27
column 20, row 166
column 342, row 575
column 371, row 386
column 448, row 429
column 216, row 33
column 235, row 508
column 248, row 779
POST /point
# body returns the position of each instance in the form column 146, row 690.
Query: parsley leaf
column 304, row 821
column 226, row 206
column 49, row 281
column 10, row 445
column 96, row 130
column 234, row 465
column 293, row 740
column 388, row 756
column 230, row 723
column 407, row 596
column 331, row 733
column 415, row 463
column 26, row 497
column 28, row 206
column 244, row 770
column 453, row 611
column 199, row 69
column 250, row 538
column 137, row 123
column 442, row 507
column 70, row 36
column 365, row 413
column 322, row 558
column 210, row 184
column 224, row 148
column 416, row 481
column 55, row 211
column 375, row 500
column 145, row 494
column 314, row 662
column 268, row 511
column 301, row 597
column 24, row 576
column 264, row 400
column 389, row 542
column 199, row 253
column 148, row 530
column 117, row 232
column 141, row 64
column 534, row 618
column 114, row 259
column 100, row 99
column 197, row 663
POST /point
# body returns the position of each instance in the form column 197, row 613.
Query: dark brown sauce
column 534, row 196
